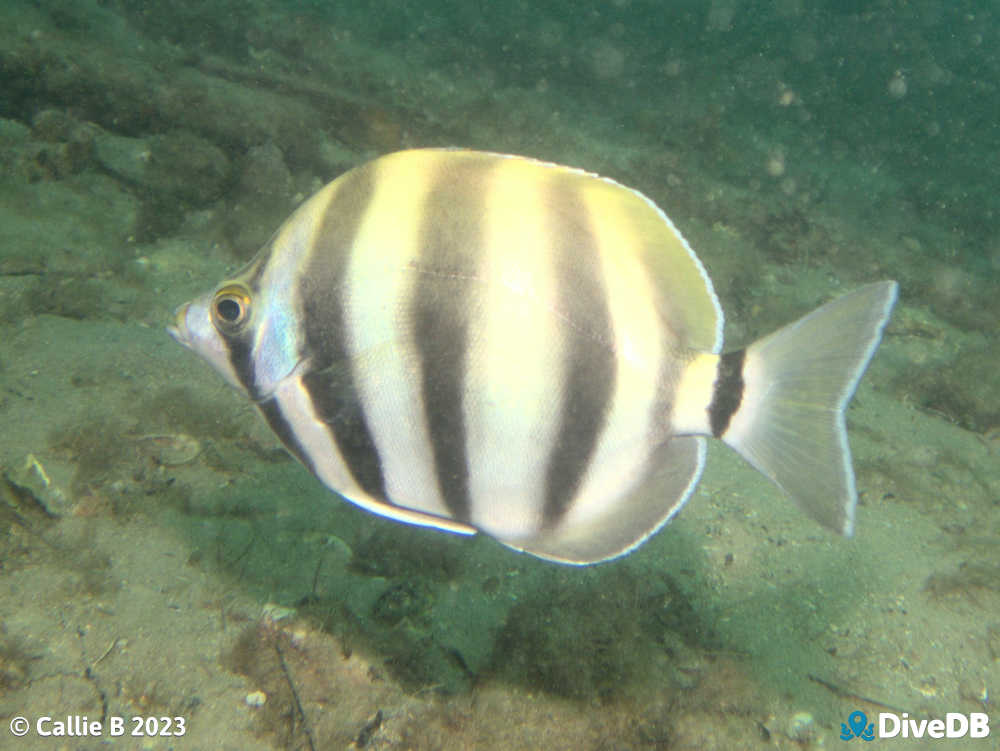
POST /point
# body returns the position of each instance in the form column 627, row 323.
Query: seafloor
column 161, row 556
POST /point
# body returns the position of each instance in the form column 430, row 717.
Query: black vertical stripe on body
column 240, row 351
column 330, row 382
column 589, row 369
column 728, row 392
column 283, row 429
column 450, row 245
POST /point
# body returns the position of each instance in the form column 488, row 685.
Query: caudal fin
column 796, row 385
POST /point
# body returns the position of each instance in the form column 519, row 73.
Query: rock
column 38, row 214
column 126, row 158
column 802, row 728
column 265, row 173
column 262, row 199
column 53, row 125
column 189, row 166
column 33, row 480
column 170, row 449
column 335, row 158
column 12, row 131
column 179, row 164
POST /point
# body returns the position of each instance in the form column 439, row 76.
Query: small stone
column 172, row 449
column 275, row 613
column 34, row 479
column 256, row 699
column 802, row 727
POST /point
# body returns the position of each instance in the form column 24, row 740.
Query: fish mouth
column 178, row 330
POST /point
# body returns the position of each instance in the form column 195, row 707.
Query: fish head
column 245, row 329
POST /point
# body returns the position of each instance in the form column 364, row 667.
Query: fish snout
column 179, row 329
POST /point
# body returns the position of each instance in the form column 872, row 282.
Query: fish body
column 479, row 342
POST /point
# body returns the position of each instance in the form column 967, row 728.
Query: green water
column 176, row 561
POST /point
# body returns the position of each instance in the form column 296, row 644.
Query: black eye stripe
column 231, row 313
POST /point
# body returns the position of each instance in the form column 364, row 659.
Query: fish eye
column 231, row 308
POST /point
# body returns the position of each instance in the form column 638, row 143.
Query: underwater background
column 162, row 556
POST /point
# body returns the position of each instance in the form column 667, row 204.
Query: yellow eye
column 231, row 308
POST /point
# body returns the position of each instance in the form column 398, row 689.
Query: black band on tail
column 728, row 391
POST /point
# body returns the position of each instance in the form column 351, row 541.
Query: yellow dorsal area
column 687, row 301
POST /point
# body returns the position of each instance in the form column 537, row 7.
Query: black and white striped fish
column 479, row 342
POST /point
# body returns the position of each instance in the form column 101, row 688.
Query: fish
column 481, row 342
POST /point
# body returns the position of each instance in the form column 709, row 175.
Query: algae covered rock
column 177, row 163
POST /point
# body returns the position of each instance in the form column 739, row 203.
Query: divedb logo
column 891, row 725
column 954, row 725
